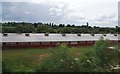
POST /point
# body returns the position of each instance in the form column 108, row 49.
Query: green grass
column 27, row 59
column 77, row 51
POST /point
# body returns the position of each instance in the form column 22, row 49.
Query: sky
column 102, row 13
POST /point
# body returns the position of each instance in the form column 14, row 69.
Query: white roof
column 40, row 37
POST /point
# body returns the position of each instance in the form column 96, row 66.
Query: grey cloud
column 17, row 11
column 106, row 20
column 119, row 13
column 106, row 17
column 31, row 12
column 57, row 13
column 0, row 12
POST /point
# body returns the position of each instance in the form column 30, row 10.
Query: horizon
column 65, row 24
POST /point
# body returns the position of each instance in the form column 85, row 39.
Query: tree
column 61, row 25
column 35, row 25
column 87, row 24
column 68, row 25
column 66, row 30
column 42, row 29
column 73, row 25
column 6, row 29
column 24, row 28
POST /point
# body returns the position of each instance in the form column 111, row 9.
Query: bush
column 88, row 62
column 106, row 58
column 59, row 61
column 101, row 60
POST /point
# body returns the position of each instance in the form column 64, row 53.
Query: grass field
column 27, row 59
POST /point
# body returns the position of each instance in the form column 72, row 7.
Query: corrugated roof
column 40, row 37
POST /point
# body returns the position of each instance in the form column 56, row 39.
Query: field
column 27, row 59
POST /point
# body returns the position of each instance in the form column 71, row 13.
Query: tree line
column 24, row 27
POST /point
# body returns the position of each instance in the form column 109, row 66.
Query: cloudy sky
column 78, row 12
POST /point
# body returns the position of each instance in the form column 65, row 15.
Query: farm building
column 10, row 40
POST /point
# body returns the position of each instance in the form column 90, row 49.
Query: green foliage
column 24, row 28
column 66, row 30
column 59, row 61
column 42, row 29
column 87, row 63
column 8, row 29
column 106, row 57
column 13, row 27
column 101, row 51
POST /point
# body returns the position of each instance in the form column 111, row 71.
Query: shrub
column 59, row 61
column 106, row 57
column 88, row 62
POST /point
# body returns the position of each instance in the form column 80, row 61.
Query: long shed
column 52, row 40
